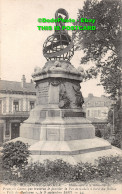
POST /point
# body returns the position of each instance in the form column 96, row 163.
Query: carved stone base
column 87, row 150
column 57, row 125
column 74, row 147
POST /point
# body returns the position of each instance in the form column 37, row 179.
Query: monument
column 57, row 126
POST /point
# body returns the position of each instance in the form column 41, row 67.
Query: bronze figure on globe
column 59, row 46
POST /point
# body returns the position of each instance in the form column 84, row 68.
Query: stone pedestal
column 57, row 126
column 58, row 115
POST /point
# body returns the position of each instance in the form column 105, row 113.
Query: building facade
column 16, row 101
column 96, row 109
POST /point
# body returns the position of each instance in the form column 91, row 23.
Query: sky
column 22, row 42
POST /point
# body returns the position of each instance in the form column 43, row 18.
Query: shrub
column 98, row 133
column 15, row 154
column 34, row 172
column 109, row 167
column 116, row 143
column 85, row 172
column 58, row 170
column 49, row 170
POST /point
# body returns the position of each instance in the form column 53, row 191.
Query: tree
column 98, row 133
column 115, row 120
column 103, row 45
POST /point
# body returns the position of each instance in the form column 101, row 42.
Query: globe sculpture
column 59, row 45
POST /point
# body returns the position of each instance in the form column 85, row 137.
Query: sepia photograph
column 60, row 97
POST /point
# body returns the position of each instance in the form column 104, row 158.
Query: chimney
column 23, row 81
column 90, row 95
column 31, row 81
column 103, row 96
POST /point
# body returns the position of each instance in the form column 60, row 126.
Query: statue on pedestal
column 57, row 126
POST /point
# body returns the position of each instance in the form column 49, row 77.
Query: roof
column 96, row 99
column 14, row 86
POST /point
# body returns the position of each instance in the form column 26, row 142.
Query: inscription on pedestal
column 53, row 134
column 43, row 114
column 54, row 94
column 53, row 113
column 74, row 114
column 42, row 93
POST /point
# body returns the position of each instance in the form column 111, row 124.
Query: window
column 99, row 112
column 102, row 103
column 88, row 104
column 15, row 106
column 88, row 113
column 95, row 113
column 92, row 113
column 32, row 103
column 97, row 103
